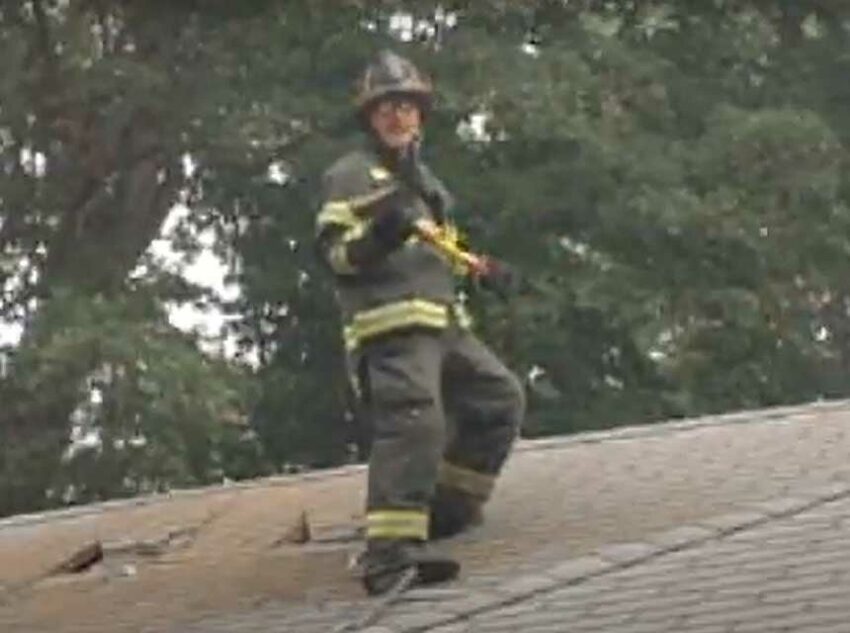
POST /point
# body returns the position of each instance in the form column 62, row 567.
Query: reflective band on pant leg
column 397, row 524
column 472, row 482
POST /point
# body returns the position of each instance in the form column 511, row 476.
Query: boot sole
column 430, row 572
column 427, row 573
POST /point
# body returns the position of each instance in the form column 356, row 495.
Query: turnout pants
column 443, row 410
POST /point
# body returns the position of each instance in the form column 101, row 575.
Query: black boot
column 387, row 562
column 452, row 512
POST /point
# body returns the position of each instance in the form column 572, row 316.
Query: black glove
column 416, row 177
column 409, row 167
column 501, row 278
column 394, row 225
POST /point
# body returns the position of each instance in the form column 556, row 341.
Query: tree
column 96, row 108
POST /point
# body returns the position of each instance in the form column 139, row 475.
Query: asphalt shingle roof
column 729, row 524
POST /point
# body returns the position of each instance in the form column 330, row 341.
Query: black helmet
column 392, row 74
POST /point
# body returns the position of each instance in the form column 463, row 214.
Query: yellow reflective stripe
column 346, row 211
column 462, row 315
column 472, row 482
column 337, row 212
column 400, row 321
column 397, row 524
column 338, row 252
column 367, row 320
column 379, row 173
column 393, row 316
column 402, row 314
column 349, row 339
column 338, row 259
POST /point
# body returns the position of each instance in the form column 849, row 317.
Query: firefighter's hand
column 414, row 175
column 500, row 278
column 394, row 225
column 410, row 166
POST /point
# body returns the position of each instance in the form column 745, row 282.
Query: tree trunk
column 96, row 246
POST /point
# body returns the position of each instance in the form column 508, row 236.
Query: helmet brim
column 422, row 97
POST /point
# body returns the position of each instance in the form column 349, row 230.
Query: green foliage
column 157, row 412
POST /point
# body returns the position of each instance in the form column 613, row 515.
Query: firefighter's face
column 396, row 120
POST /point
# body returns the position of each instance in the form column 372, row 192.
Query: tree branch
column 44, row 39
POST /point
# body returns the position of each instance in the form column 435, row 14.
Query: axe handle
column 431, row 233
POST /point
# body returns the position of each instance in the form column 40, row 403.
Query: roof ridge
column 674, row 425
column 650, row 429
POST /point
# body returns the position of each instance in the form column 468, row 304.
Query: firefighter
column 412, row 356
